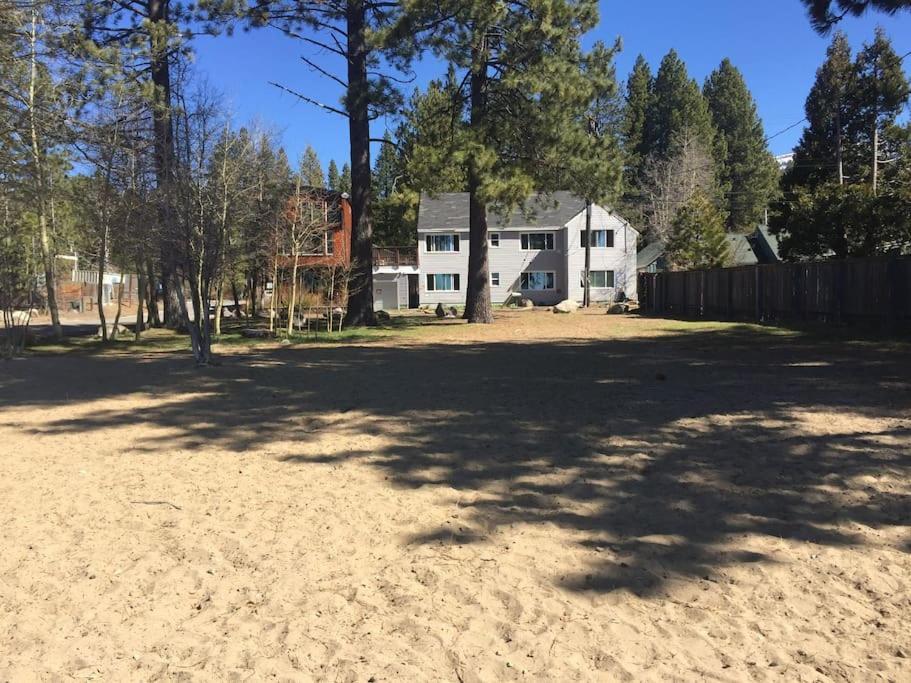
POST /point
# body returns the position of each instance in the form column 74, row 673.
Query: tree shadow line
column 655, row 452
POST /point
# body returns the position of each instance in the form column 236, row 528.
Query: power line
column 901, row 59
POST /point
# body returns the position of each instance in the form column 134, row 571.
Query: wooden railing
column 395, row 256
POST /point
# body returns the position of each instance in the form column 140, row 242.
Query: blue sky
column 770, row 41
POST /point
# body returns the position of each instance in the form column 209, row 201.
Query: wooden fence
column 875, row 290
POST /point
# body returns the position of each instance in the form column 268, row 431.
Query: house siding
column 510, row 261
column 390, row 291
column 437, row 262
column 566, row 261
column 621, row 258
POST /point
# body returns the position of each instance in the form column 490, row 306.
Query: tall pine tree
column 639, row 87
column 386, row 170
column 525, row 97
column 678, row 110
column 881, row 93
column 822, row 154
column 831, row 195
column 311, row 169
column 344, row 179
column 749, row 173
column 332, row 177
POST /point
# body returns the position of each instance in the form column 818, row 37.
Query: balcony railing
column 395, row 256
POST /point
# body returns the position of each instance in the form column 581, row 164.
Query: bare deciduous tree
column 670, row 183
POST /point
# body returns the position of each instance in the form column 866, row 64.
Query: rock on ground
column 566, row 306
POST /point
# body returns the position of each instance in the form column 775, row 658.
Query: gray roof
column 649, row 254
column 741, row 251
column 449, row 211
column 770, row 241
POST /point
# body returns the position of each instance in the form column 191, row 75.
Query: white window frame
column 494, row 240
column 325, row 247
column 495, row 279
column 609, row 239
column 431, row 249
column 613, row 279
column 525, row 241
column 524, row 281
column 455, row 279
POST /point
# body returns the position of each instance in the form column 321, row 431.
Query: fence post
column 757, row 291
column 896, row 299
column 839, row 301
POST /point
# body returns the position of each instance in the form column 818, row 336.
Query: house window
column 600, row 279
column 537, row 241
column 537, row 280
column 442, row 242
column 494, row 239
column 314, row 245
column 495, row 279
column 600, row 238
column 330, row 243
column 443, row 282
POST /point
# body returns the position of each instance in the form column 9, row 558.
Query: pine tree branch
column 310, row 100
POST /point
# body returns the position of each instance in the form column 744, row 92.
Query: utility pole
column 876, row 77
column 838, row 153
column 875, row 155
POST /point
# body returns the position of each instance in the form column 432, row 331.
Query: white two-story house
column 540, row 256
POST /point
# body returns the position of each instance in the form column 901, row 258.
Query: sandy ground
column 555, row 498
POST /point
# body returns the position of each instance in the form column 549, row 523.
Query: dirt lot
column 559, row 498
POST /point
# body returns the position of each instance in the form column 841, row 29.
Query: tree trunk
column 163, row 133
column 47, row 256
column 875, row 158
column 199, row 340
column 274, row 295
column 219, row 302
column 251, row 295
column 839, row 161
column 102, row 258
column 140, row 300
column 119, row 307
column 477, row 298
column 152, row 296
column 293, row 295
column 360, row 294
column 587, row 293
column 236, row 297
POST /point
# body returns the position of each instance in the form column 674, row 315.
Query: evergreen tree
column 521, row 112
column 332, row 179
column 824, row 14
column 881, row 93
column 638, row 102
column 698, row 238
column 392, row 199
column 822, row 154
column 425, row 137
column 344, row 179
column 748, row 173
column 386, row 170
column 422, row 164
column 311, row 169
column 677, row 109
column 832, row 200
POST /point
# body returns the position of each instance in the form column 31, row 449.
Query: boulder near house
column 539, row 256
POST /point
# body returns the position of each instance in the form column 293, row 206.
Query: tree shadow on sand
column 655, row 452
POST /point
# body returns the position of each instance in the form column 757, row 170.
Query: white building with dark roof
column 538, row 253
